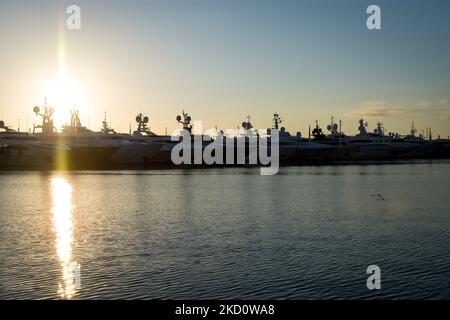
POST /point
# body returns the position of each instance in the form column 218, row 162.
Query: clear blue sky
column 222, row 60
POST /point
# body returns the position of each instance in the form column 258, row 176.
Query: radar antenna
column 142, row 122
column 47, row 118
column 247, row 125
column 317, row 131
column 380, row 129
column 185, row 120
column 333, row 127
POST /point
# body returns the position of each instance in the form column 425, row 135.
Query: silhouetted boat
column 80, row 148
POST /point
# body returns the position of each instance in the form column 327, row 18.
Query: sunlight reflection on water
column 61, row 191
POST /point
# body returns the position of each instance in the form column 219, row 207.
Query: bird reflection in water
column 61, row 191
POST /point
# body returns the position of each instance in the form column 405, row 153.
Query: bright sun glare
column 64, row 96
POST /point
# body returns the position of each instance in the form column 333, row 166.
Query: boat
column 77, row 147
column 296, row 149
column 134, row 149
column 364, row 145
column 167, row 143
column 22, row 149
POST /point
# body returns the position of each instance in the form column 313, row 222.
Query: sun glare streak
column 63, row 225
column 62, row 61
column 64, row 93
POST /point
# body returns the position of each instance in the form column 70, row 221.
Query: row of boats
column 80, row 148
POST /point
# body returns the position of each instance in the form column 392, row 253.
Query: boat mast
column 276, row 121
column 47, row 118
column 362, row 127
column 413, row 130
column 105, row 126
column 185, row 121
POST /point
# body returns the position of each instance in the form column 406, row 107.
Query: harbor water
column 307, row 233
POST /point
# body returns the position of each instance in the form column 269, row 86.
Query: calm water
column 309, row 232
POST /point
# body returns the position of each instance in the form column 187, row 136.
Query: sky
column 221, row 60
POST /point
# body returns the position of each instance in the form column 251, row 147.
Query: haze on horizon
column 224, row 60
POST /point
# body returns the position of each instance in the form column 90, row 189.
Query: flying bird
column 379, row 196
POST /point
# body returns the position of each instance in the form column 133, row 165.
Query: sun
column 63, row 95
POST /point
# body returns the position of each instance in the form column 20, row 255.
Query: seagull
column 379, row 196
